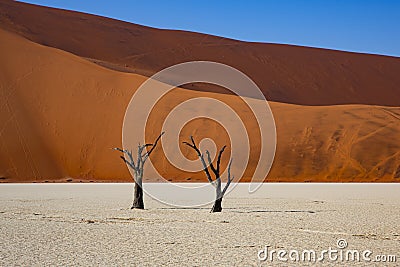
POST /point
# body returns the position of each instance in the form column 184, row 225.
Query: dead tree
column 142, row 156
column 217, row 207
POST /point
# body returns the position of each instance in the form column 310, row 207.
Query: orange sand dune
column 60, row 115
column 289, row 74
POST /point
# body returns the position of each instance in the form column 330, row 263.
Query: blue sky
column 351, row 25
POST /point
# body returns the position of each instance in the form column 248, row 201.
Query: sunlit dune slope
column 60, row 115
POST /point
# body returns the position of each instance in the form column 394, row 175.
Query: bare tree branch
column 193, row 145
column 215, row 171
column 128, row 163
column 155, row 143
column 219, row 157
column 131, row 158
column 229, row 178
column 146, row 145
column 205, row 168
column 139, row 156
column 119, row 149
column 153, row 146
column 186, row 143
column 131, row 162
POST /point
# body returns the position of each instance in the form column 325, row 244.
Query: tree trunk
column 217, row 207
column 138, row 194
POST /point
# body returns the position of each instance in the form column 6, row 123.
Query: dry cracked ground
column 92, row 225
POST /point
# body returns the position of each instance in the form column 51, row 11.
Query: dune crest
column 289, row 74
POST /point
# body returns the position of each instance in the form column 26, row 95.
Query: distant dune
column 289, row 74
column 60, row 113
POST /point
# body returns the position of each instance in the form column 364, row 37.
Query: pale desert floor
column 92, row 225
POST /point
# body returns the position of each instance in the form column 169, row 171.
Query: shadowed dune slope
column 289, row 74
column 60, row 115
